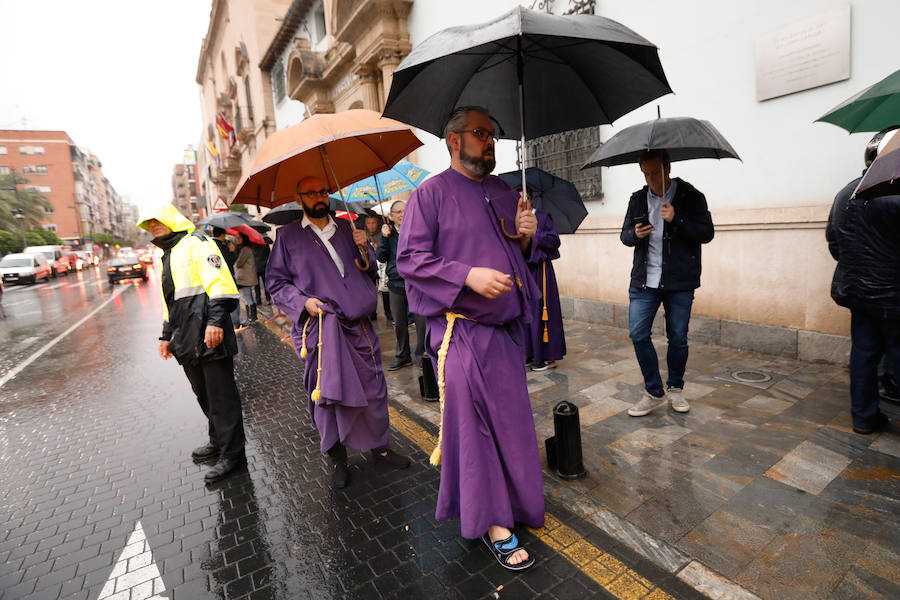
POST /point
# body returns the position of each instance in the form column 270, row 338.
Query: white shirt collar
column 331, row 226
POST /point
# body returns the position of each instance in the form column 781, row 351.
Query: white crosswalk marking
column 135, row 575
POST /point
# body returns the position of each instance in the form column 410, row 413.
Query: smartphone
column 640, row 220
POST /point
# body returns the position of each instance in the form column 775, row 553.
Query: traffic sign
column 220, row 205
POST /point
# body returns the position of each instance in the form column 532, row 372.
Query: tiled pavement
column 761, row 490
column 100, row 499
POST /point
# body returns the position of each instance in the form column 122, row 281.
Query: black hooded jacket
column 864, row 237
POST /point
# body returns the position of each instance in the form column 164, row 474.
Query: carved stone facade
column 563, row 155
column 231, row 84
column 352, row 65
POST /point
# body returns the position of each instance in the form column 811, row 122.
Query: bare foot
column 498, row 534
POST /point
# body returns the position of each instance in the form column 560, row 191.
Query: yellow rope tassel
column 544, row 316
column 442, row 359
column 303, row 351
column 317, row 393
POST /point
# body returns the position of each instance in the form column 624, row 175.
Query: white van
column 59, row 264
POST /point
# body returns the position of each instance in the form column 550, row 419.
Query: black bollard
column 567, row 441
column 428, row 386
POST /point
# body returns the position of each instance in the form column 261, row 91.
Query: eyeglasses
column 314, row 194
column 481, row 134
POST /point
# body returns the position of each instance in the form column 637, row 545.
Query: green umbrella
column 875, row 108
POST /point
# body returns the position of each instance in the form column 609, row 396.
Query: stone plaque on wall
column 804, row 55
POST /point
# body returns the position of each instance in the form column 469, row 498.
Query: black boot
column 204, row 453
column 340, row 474
column 251, row 310
column 225, row 466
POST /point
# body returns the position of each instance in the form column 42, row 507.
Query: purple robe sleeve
column 280, row 283
column 545, row 242
column 417, row 258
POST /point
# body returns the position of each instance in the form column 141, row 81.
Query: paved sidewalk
column 761, row 490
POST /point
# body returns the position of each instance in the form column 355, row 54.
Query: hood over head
column 169, row 216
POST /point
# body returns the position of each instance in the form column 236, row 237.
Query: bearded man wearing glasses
column 320, row 275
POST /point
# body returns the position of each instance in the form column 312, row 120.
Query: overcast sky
column 116, row 75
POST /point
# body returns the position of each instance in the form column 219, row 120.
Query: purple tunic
column 490, row 465
column 353, row 405
column 545, row 248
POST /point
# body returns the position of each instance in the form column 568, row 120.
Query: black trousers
column 870, row 338
column 217, row 393
column 400, row 310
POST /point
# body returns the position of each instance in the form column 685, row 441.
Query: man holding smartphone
column 666, row 222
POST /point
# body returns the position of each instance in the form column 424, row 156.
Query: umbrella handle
column 362, row 266
column 515, row 236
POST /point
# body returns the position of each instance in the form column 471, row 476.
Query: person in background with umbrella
column 471, row 283
column 546, row 341
column 313, row 279
column 387, row 253
column 261, row 258
column 373, row 235
column 863, row 238
column 245, row 277
column 666, row 223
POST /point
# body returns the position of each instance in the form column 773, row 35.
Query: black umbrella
column 226, row 220
column 683, row 138
column 553, row 195
column 284, row 214
column 260, row 227
column 882, row 178
column 570, row 71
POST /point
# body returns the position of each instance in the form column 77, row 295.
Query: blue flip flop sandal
column 503, row 549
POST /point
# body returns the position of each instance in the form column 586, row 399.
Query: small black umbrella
column 570, row 72
column 553, row 195
column 284, row 214
column 226, row 220
column 683, row 138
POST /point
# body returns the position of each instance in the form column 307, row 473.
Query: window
column 44, row 189
column 38, row 169
column 4, row 170
column 31, row 149
column 50, row 227
column 277, row 76
column 249, row 101
column 3, row 150
column 48, row 211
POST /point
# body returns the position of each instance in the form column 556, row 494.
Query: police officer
column 199, row 293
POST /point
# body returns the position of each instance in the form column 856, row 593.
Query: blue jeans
column 870, row 337
column 642, row 307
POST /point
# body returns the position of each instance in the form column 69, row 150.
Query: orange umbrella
column 339, row 148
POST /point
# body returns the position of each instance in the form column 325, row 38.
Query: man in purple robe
column 470, row 280
column 319, row 274
column 546, row 342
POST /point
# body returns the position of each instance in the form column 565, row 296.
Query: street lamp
column 19, row 214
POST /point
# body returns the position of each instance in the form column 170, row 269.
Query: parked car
column 24, row 268
column 90, row 259
column 76, row 263
column 54, row 255
column 125, row 267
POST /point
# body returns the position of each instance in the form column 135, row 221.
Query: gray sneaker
column 646, row 405
column 677, row 400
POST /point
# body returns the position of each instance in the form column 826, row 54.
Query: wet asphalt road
column 100, row 499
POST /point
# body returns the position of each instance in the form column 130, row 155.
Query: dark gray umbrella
column 683, row 138
column 576, row 71
column 284, row 214
column 226, row 220
column 555, row 196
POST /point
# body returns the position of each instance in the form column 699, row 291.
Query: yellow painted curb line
column 608, row 571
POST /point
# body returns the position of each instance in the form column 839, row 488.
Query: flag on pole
column 226, row 130
column 213, row 152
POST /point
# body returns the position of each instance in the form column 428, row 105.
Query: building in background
column 235, row 101
column 83, row 199
column 334, row 56
column 184, row 187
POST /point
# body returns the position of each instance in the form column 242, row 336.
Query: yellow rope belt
column 442, row 359
column 544, row 316
column 316, row 393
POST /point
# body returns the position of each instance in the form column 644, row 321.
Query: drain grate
column 752, row 377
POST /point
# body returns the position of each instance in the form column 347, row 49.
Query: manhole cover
column 749, row 376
